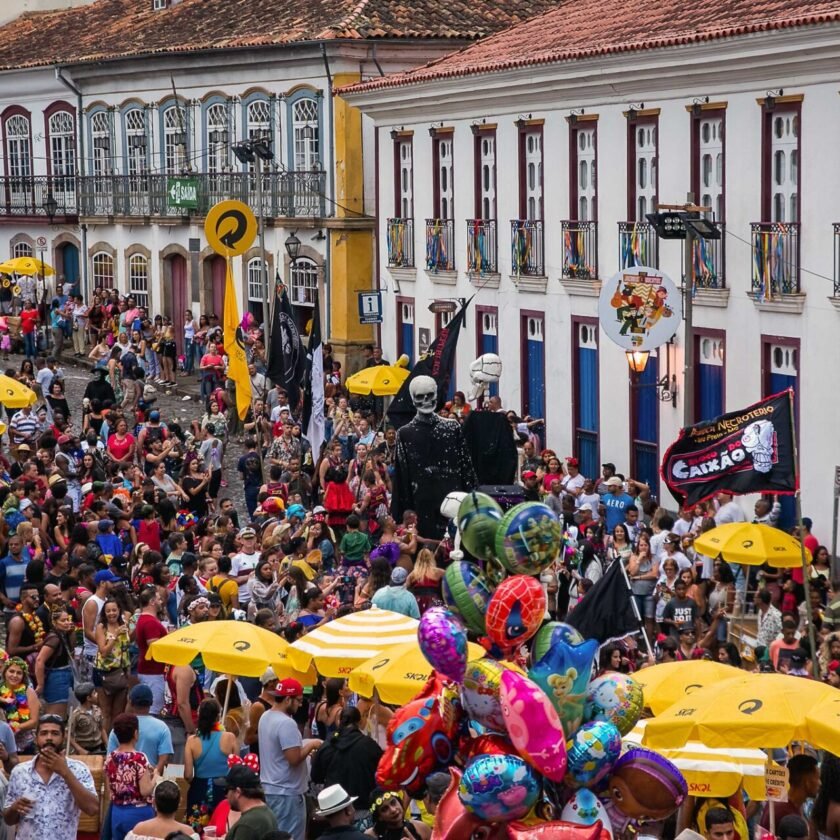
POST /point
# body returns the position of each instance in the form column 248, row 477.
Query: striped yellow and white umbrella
column 338, row 647
column 710, row 771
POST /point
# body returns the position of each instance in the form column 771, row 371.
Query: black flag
column 286, row 354
column 746, row 451
column 437, row 362
column 606, row 611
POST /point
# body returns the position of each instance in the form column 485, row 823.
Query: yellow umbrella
column 229, row 647
column 14, row 394
column 26, row 265
column 670, row 682
column 339, row 646
column 752, row 545
column 709, row 771
column 765, row 711
column 379, row 380
column 398, row 673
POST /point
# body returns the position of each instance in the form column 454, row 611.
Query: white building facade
column 525, row 185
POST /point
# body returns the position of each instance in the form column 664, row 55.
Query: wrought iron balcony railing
column 638, row 244
column 775, row 259
column 41, row 195
column 401, row 243
column 580, row 250
column 710, row 261
column 527, row 247
column 440, row 254
column 482, row 250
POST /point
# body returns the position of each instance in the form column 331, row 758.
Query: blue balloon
column 591, row 753
column 499, row 788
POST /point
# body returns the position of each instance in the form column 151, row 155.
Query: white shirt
column 681, row 527
column 730, row 512
column 657, row 545
column 239, row 564
column 55, row 813
column 593, row 499
column 571, row 484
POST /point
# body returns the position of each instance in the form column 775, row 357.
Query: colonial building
column 119, row 121
column 520, row 170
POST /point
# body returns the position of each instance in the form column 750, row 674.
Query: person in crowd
column 167, row 799
column 247, row 798
column 336, row 808
column 803, row 784
column 396, row 597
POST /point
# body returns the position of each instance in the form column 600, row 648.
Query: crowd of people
column 119, row 527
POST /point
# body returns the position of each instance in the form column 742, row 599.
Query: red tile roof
column 585, row 28
column 110, row 29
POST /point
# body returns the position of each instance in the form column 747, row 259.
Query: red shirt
column 148, row 629
column 119, row 448
column 28, row 320
column 149, row 533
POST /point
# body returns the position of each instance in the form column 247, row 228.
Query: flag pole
column 636, row 609
column 809, row 613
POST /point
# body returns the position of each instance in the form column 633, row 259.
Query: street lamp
column 637, row 361
column 293, row 247
column 50, row 206
column 666, row 387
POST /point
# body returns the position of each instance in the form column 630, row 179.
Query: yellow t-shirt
column 225, row 588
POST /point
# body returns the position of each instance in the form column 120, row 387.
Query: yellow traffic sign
column 230, row 228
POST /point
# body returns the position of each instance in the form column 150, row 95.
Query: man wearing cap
column 104, row 582
column 246, row 796
column 532, row 490
column 335, row 807
column 262, row 703
column 283, row 754
column 396, row 597
column 243, row 563
column 615, row 502
column 154, row 739
column 573, row 481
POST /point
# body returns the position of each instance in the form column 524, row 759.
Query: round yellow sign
column 230, row 228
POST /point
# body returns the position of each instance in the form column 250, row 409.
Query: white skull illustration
column 757, row 439
column 423, row 390
column 484, row 370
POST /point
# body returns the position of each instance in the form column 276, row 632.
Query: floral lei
column 15, row 705
column 35, row 625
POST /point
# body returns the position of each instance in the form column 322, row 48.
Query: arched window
column 103, row 270
column 136, row 142
column 138, row 279
column 62, row 128
column 256, row 293
column 174, row 140
column 304, row 282
column 102, row 153
column 218, row 138
column 258, row 119
column 18, row 146
column 22, row 249
column 306, row 134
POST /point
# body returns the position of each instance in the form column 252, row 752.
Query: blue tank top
column 212, row 762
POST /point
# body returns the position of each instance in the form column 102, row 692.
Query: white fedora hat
column 333, row 799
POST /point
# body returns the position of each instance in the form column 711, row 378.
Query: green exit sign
column 182, row 192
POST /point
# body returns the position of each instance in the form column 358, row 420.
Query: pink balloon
column 443, row 641
column 533, row 725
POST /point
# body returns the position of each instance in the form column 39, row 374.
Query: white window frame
column 174, row 121
column 404, row 149
column 303, row 282
column 62, row 126
column 218, row 138
column 532, row 173
column 22, row 249
column 19, row 146
column 586, row 174
column 711, row 350
column 784, row 359
column 102, row 155
column 138, row 279
column 102, row 278
column 646, row 146
column 446, row 189
column 711, row 163
column 306, row 135
column 784, row 166
column 254, row 279
column 487, row 175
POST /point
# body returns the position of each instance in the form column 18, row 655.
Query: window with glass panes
column 22, row 249
column 256, row 293
column 711, row 163
column 102, row 268
column 136, row 141
column 18, row 147
column 306, row 135
column 218, row 138
column 62, row 127
column 784, row 183
column 584, row 152
column 102, row 153
column 138, row 279
column 174, row 139
column 644, row 161
column 530, row 175
column 304, row 282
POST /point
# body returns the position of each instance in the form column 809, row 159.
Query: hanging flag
column 286, row 354
column 746, row 451
column 313, row 389
column 235, row 348
column 606, row 611
column 437, row 362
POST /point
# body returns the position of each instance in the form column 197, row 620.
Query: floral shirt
column 55, row 813
column 124, row 771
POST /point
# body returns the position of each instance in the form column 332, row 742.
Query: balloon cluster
column 533, row 748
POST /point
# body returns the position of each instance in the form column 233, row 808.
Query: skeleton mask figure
column 423, row 390
column 483, row 371
column 759, row 440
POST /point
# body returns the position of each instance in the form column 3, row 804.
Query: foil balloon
column 533, row 725
column 528, row 538
column 515, row 611
column 478, row 518
column 488, row 744
column 591, row 753
column 480, row 693
column 584, row 808
column 616, row 698
column 421, row 738
column 467, row 592
column 454, row 822
column 443, row 641
column 643, row 787
column 563, row 674
column 498, row 788
column 557, row 831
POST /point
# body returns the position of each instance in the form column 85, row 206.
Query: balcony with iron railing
column 775, row 260
column 482, row 246
column 401, row 243
column 527, row 247
column 638, row 244
column 40, row 195
column 440, row 239
column 580, row 250
column 284, row 194
column 710, row 261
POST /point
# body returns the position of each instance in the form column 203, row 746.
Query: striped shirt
column 24, row 427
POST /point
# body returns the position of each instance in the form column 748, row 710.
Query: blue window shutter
column 781, row 382
column 586, row 401
column 710, row 386
column 646, row 431
column 536, row 378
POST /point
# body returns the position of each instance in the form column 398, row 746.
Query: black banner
column 606, row 611
column 746, row 451
column 437, row 363
column 286, row 354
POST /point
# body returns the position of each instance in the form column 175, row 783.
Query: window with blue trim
column 174, row 150
column 533, row 398
column 488, row 340
column 587, row 416
column 710, row 368
column 645, row 415
column 782, row 372
column 136, row 141
column 306, row 134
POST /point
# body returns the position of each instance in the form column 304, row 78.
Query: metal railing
column 285, row 194
column 837, row 259
column 482, row 250
column 440, row 238
column 527, row 248
column 710, row 261
column 30, row 196
column 401, row 243
column 638, row 244
column 775, row 259
column 580, row 250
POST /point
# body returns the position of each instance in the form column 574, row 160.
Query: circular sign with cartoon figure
column 640, row 308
